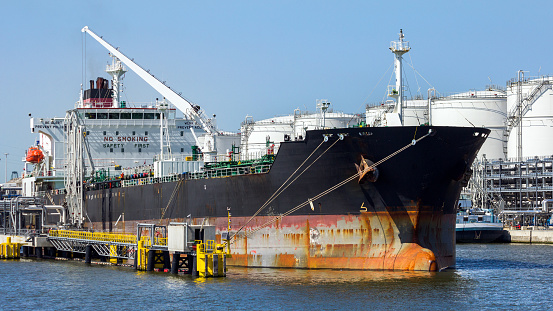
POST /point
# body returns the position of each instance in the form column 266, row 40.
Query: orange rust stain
column 285, row 260
column 296, row 238
column 412, row 257
column 239, row 260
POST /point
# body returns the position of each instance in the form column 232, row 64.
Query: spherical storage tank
column 475, row 109
column 537, row 120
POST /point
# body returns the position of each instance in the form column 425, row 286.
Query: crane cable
column 279, row 191
column 340, row 184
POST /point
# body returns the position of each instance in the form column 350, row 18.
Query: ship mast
column 116, row 70
column 399, row 48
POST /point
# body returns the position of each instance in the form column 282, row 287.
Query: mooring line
column 329, row 190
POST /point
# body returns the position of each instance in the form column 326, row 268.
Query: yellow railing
column 159, row 241
column 106, row 237
column 95, row 236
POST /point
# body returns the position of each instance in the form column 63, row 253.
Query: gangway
column 149, row 248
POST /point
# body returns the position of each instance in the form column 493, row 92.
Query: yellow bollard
column 112, row 254
column 142, row 259
column 9, row 250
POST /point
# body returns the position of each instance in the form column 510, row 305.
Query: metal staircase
column 515, row 115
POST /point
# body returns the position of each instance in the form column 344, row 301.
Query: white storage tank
column 415, row 113
column 255, row 134
column 475, row 109
column 537, row 120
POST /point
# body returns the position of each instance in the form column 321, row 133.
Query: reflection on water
column 326, row 276
column 492, row 276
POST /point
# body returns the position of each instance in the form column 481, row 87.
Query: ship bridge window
column 90, row 115
column 113, row 115
column 102, row 115
column 137, row 115
column 181, row 133
column 125, row 115
column 149, row 116
column 146, row 133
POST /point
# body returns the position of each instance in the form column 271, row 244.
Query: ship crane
column 188, row 108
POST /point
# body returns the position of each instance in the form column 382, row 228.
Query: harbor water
column 487, row 276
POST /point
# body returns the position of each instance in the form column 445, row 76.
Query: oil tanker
column 320, row 196
column 402, row 220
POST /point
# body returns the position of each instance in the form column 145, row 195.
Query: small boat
column 34, row 155
column 477, row 226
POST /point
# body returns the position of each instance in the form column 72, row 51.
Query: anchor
column 366, row 171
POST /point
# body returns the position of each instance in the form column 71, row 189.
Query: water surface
column 489, row 276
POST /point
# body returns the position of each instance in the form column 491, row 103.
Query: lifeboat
column 34, row 155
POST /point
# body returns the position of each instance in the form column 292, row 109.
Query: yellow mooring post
column 142, row 256
column 113, row 254
column 211, row 261
column 9, row 250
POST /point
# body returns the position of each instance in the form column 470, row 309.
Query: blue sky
column 259, row 58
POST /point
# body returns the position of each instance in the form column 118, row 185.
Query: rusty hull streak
column 365, row 241
column 368, row 241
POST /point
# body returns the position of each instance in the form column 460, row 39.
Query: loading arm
column 176, row 99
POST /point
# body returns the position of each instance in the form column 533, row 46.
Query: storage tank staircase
column 514, row 117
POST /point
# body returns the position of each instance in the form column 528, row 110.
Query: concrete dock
column 527, row 235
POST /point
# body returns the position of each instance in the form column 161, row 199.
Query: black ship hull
column 405, row 220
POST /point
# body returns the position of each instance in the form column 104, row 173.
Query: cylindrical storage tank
column 374, row 114
column 415, row 112
column 537, row 119
column 475, row 109
column 254, row 135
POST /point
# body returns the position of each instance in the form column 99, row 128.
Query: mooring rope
column 280, row 190
column 338, row 185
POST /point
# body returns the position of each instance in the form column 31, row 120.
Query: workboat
column 312, row 195
column 478, row 226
